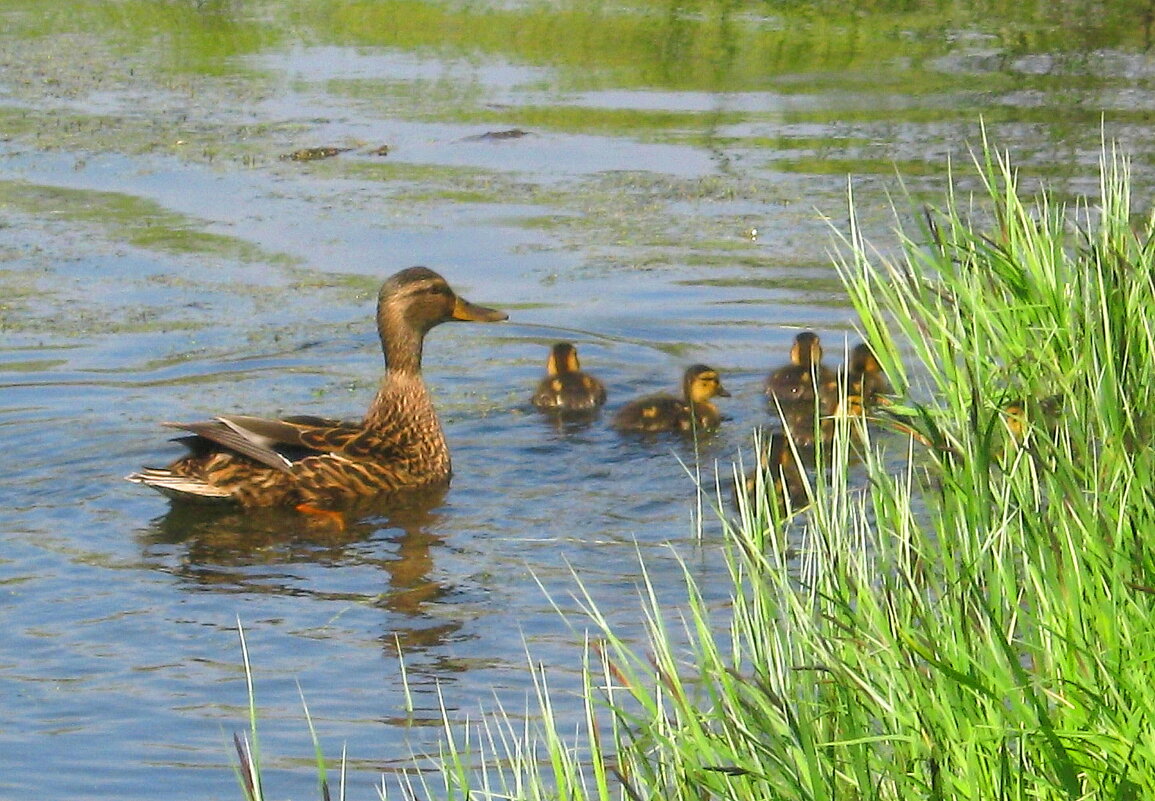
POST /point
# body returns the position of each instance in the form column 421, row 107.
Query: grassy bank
column 971, row 620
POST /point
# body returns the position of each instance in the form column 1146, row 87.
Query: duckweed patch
column 131, row 219
column 82, row 79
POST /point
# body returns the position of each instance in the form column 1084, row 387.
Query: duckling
column 854, row 388
column 781, row 477
column 1022, row 414
column 859, row 386
column 669, row 413
column 566, row 388
column 805, row 378
column 864, row 376
column 315, row 463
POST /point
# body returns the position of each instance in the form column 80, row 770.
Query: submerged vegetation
column 878, row 55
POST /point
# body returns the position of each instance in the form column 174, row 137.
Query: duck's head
column 563, row 358
column 806, row 350
column 702, row 383
column 411, row 303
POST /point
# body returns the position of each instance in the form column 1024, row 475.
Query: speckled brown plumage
column 320, row 462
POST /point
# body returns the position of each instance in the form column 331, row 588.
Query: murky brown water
column 159, row 260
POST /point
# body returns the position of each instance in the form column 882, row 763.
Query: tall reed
column 967, row 615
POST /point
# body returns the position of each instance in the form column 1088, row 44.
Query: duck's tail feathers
column 178, row 486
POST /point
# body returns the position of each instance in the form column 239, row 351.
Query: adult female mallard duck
column 314, row 463
column 669, row 413
column 566, row 388
column 805, row 378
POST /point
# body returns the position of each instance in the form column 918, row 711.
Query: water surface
column 672, row 201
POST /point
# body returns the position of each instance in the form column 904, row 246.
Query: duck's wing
column 570, row 391
column 652, row 413
column 275, row 443
column 595, row 388
column 548, row 393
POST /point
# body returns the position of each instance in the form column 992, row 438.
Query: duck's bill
column 722, row 392
column 464, row 310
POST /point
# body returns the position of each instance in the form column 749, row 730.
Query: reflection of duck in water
column 693, row 411
column 225, row 548
column 566, row 388
column 805, row 378
column 313, row 463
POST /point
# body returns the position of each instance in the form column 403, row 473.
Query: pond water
column 668, row 204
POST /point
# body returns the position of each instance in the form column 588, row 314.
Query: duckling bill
column 565, row 387
column 662, row 412
column 314, row 462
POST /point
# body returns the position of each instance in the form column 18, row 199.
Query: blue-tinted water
column 651, row 249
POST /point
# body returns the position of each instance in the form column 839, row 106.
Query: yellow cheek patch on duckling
column 650, row 412
column 1015, row 419
column 851, row 406
column 556, row 385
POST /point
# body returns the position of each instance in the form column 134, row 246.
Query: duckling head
column 563, row 358
column 702, row 383
column 806, row 350
column 863, row 360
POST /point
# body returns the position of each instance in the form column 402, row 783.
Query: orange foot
column 328, row 515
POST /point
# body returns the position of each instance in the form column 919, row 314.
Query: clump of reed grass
column 973, row 621
column 248, row 765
